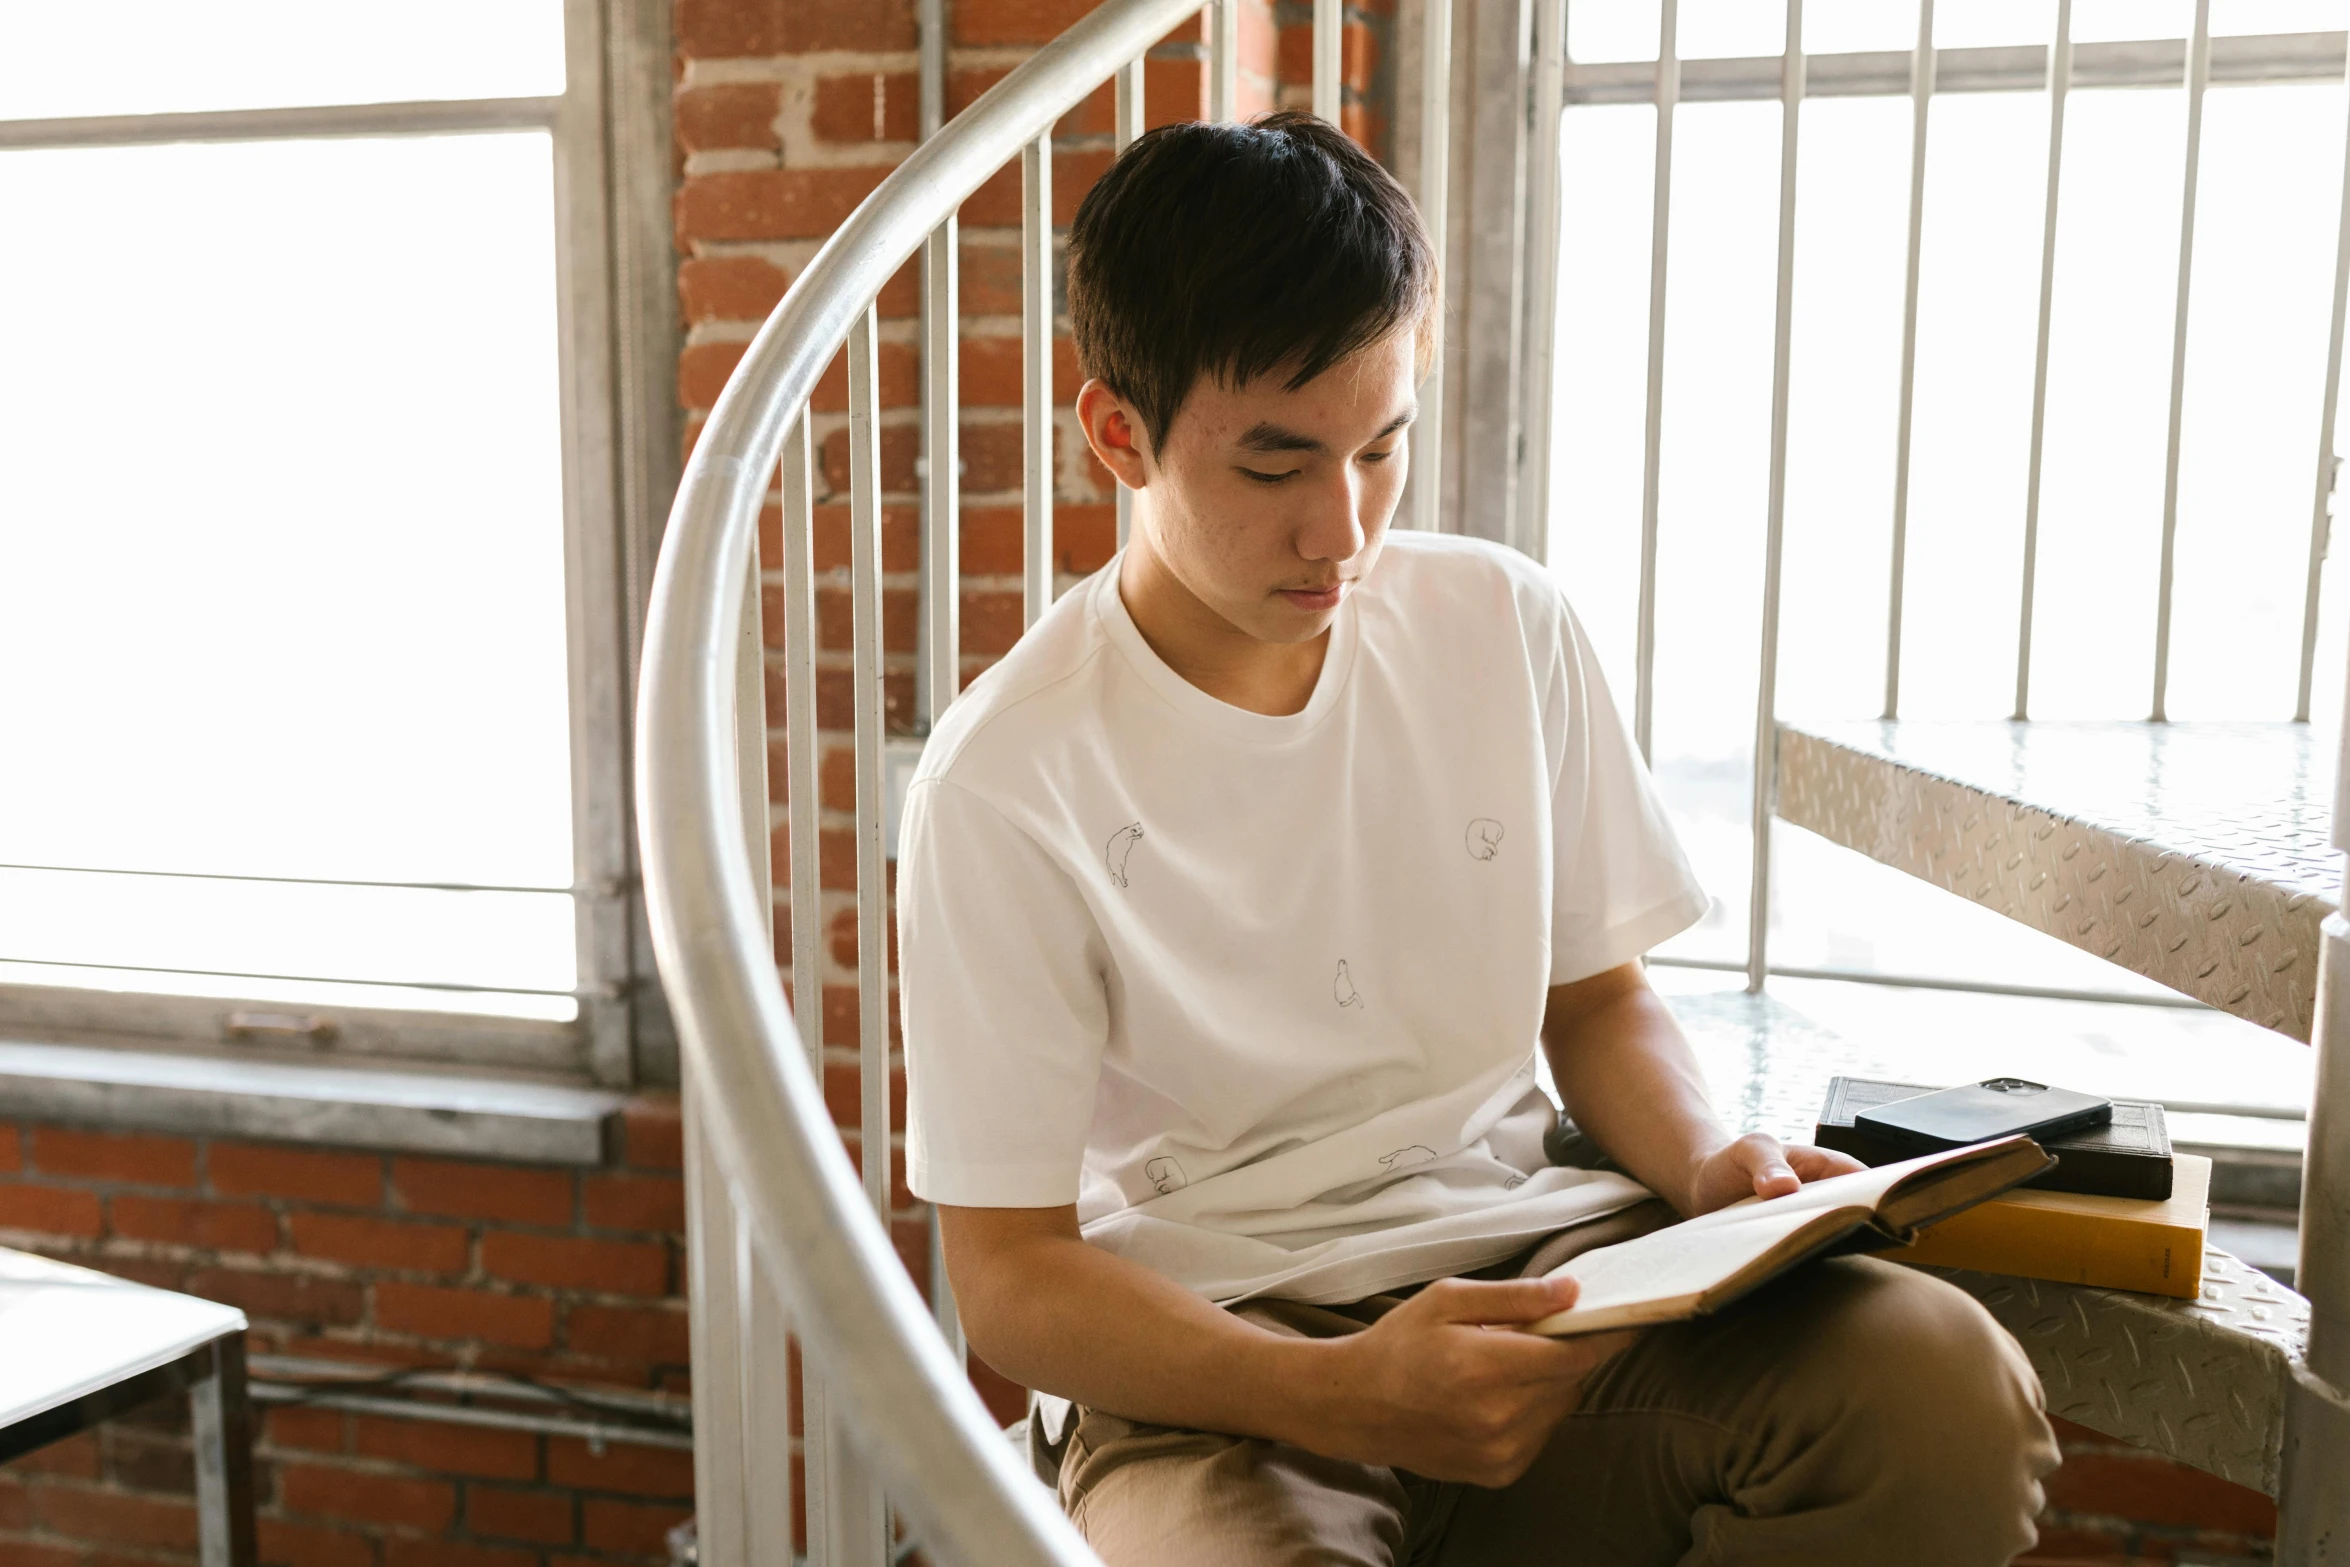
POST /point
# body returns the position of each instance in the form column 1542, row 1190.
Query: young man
column 1234, row 903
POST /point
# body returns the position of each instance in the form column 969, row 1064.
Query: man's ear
column 1114, row 430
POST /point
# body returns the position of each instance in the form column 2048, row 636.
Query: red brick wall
column 2112, row 1503
column 381, row 1258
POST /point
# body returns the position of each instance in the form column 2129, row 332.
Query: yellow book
column 2117, row 1242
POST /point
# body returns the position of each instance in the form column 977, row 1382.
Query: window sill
column 397, row 1109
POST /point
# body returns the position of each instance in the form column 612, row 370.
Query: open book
column 1698, row 1267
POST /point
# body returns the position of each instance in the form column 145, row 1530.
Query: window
column 2270, row 179
column 312, row 617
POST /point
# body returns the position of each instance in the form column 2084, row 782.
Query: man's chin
column 1288, row 627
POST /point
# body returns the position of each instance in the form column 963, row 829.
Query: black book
column 2129, row 1157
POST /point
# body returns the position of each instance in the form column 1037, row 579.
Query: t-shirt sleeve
column 1619, row 881
column 1002, row 1003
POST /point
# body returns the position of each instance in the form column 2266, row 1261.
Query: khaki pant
column 1856, row 1412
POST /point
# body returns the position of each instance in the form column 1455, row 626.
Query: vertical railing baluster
column 750, row 739
column 942, row 560
column 1427, row 436
column 871, row 716
column 2198, row 76
column 1328, row 32
column 860, row 1526
column 931, row 33
column 1223, row 59
column 856, row 1518
column 763, row 1400
column 802, row 771
column 2320, row 522
column 1036, row 369
column 1127, row 120
column 721, row 1324
column 715, row 1322
column 1766, row 705
column 1126, row 95
column 1660, row 231
column 803, row 766
column 939, row 674
column 1921, row 100
column 942, row 570
column 940, row 474
column 2060, row 81
column 2313, row 1503
column 766, row 1363
column 1538, row 362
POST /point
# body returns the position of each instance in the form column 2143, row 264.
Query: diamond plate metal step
column 2133, row 841
column 2201, row 1381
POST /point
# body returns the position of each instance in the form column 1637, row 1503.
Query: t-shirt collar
column 1337, row 663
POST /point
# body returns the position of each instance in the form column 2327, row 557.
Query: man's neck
column 1275, row 678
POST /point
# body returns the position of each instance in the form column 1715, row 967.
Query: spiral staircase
column 789, row 1242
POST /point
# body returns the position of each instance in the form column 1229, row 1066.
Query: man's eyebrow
column 1265, row 436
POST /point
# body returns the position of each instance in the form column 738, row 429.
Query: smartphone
column 1995, row 1107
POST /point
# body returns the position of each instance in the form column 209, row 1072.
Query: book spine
column 2067, row 1248
column 2095, row 1172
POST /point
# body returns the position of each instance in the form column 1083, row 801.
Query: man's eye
column 1379, row 456
column 1269, row 478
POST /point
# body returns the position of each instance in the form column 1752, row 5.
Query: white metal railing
column 2193, row 63
column 2315, row 1499
column 784, row 1236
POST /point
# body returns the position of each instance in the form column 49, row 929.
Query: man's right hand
column 1445, row 1387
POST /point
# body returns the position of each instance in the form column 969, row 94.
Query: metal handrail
column 904, row 1396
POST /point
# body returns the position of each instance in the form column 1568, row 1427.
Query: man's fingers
column 1815, row 1164
column 1534, row 1358
column 1766, row 1164
column 1498, row 1301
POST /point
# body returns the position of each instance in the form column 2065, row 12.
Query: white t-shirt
column 1260, row 995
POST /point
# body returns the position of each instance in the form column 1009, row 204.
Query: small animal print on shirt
column 1405, row 1158
column 1121, row 845
column 1165, row 1176
column 1483, row 838
column 1342, row 989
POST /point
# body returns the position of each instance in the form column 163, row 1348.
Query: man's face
column 1269, row 504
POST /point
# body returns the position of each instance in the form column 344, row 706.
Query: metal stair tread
column 2200, row 1381
column 2128, row 840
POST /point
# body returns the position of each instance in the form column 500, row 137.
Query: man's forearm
column 1632, row 1083
column 1428, row 1387
column 1054, row 1313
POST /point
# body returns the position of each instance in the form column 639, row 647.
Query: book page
column 1692, row 1263
column 1683, row 1261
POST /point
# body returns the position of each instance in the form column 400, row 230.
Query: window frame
column 616, row 326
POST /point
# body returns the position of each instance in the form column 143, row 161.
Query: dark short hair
column 1236, row 250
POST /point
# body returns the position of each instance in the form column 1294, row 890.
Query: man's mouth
column 1317, row 598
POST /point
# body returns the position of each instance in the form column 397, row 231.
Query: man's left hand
column 1758, row 1165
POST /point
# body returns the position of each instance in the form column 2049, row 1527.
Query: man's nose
column 1333, row 526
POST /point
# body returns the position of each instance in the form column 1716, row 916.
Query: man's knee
column 1935, row 1387
column 1895, row 1337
